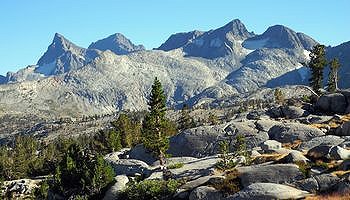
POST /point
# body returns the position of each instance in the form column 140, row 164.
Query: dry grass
column 267, row 158
column 340, row 173
column 333, row 123
column 294, row 145
column 334, row 196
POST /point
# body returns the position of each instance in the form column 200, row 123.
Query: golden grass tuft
column 335, row 196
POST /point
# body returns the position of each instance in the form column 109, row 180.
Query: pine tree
column 123, row 125
column 333, row 75
column 316, row 65
column 185, row 121
column 154, row 136
column 279, row 96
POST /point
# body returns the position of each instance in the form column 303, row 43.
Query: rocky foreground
column 295, row 152
column 293, row 155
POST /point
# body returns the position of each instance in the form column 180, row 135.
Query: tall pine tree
column 154, row 136
column 333, row 78
column 316, row 65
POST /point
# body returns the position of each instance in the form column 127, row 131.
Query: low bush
column 151, row 189
column 80, row 173
column 231, row 184
column 176, row 165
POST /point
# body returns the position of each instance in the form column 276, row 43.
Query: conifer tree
column 124, row 128
column 185, row 121
column 333, row 78
column 279, row 96
column 154, row 136
column 316, row 65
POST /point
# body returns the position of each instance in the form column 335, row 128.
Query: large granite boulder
column 270, row 145
column 277, row 173
column 329, row 152
column 114, row 191
column 332, row 103
column 322, row 140
column 264, row 191
column 289, row 132
column 130, row 167
column 294, row 157
column 319, row 183
column 265, row 125
column 192, row 168
column 197, row 142
column 205, row 193
column 205, row 140
column 343, row 130
column 293, row 112
column 140, row 153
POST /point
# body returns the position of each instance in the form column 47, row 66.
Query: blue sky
column 28, row 26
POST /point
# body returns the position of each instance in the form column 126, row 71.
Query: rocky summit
column 195, row 67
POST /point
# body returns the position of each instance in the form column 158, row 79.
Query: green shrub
column 81, row 173
column 304, row 168
column 231, row 184
column 176, row 165
column 41, row 193
column 151, row 189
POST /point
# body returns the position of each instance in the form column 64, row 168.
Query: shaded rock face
column 262, row 191
column 290, row 112
column 289, row 132
column 329, row 152
column 62, row 56
column 343, row 130
column 117, row 43
column 332, row 103
column 278, row 173
column 3, row 79
column 279, row 36
column 219, row 42
column 319, row 183
column 179, row 40
column 341, row 52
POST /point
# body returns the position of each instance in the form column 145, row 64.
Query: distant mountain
column 62, row 56
column 279, row 36
column 301, row 76
column 211, row 44
column 117, row 43
column 194, row 68
column 179, row 40
column 3, row 79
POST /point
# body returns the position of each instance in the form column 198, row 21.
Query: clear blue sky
column 28, row 26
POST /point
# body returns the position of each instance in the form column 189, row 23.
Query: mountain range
column 114, row 74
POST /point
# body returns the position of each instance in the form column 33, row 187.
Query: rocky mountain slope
column 194, row 67
column 116, row 43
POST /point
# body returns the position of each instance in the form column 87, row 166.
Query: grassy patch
column 231, row 183
column 176, row 165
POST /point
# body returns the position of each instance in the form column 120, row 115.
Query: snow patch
column 306, row 54
column 46, row 69
column 255, row 44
